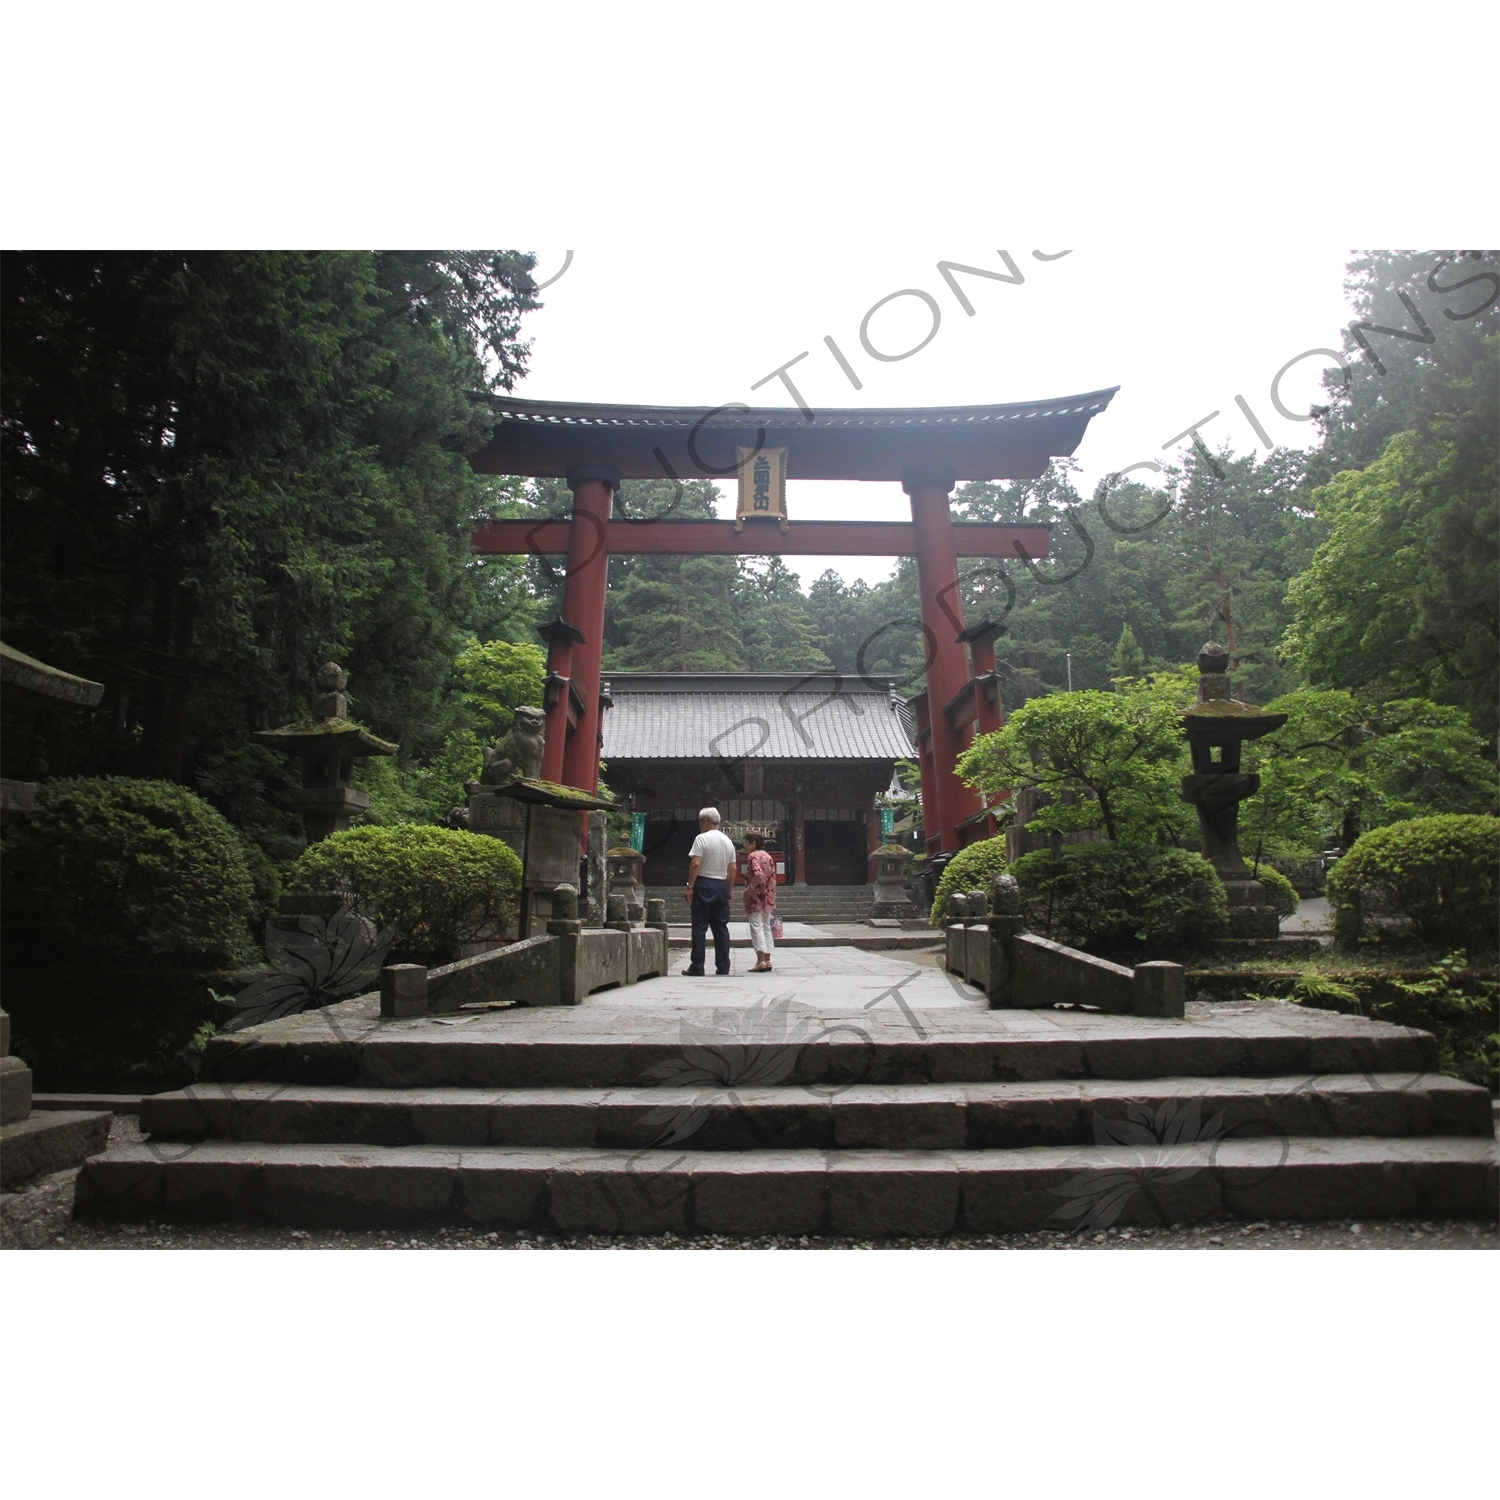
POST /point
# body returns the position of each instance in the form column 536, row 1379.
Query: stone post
column 564, row 925
column 1006, row 924
column 403, row 991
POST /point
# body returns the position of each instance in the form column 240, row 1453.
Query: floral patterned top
column 760, row 882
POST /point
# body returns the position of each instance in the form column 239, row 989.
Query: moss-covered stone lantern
column 1217, row 726
column 326, row 746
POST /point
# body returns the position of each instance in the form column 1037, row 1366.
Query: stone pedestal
column 555, row 833
column 500, row 817
column 1250, row 914
column 15, row 1080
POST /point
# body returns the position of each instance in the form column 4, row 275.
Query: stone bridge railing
column 1019, row 970
column 559, row 967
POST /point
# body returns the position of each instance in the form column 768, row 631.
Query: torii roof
column 1011, row 441
column 754, row 716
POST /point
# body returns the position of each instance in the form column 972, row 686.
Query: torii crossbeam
column 927, row 449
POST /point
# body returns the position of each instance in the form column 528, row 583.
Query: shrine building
column 802, row 758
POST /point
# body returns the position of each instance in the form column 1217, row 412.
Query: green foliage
column 496, row 679
column 265, row 880
column 222, row 468
column 971, row 869
column 674, row 613
column 1342, row 764
column 1399, row 596
column 1104, row 760
column 1441, row 873
column 132, row 870
column 1130, row 660
column 1460, row 1007
column 1120, row 897
column 1280, row 891
column 1315, row 989
column 436, row 888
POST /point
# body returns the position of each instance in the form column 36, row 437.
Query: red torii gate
column 928, row 449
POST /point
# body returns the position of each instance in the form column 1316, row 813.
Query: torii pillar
column 946, row 800
column 584, row 591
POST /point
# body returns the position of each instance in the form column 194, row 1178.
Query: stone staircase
column 616, row 1118
column 813, row 904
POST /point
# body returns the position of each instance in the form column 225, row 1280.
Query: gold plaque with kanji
column 762, row 485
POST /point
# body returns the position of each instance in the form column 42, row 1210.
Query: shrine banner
column 762, row 485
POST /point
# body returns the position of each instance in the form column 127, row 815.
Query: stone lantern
column 889, row 864
column 1216, row 728
column 326, row 746
column 625, row 868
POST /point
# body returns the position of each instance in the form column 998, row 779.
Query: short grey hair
column 709, row 815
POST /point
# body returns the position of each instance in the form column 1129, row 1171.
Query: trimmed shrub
column 971, row 869
column 131, row 871
column 436, row 889
column 1122, row 896
column 1280, row 891
column 1439, row 873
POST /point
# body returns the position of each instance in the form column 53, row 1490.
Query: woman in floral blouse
column 760, row 900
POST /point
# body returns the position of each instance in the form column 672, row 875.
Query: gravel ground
column 1385, row 1234
column 1348, row 1234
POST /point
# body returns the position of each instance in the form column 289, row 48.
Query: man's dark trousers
column 710, row 909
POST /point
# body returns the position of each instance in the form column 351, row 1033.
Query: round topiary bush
column 132, row 871
column 436, row 889
column 1122, row 896
column 971, row 869
column 1439, row 873
column 1280, row 891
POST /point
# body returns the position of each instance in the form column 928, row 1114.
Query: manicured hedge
column 1122, row 896
column 131, row 871
column 435, row 888
column 971, row 869
column 1280, row 891
column 1439, row 873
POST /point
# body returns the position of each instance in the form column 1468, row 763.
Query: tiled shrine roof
column 1012, row 440
column 753, row 716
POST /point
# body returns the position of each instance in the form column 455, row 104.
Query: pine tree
column 1130, row 660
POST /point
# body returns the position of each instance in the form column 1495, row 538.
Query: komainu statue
column 519, row 754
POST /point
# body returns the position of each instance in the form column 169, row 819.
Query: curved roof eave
column 1013, row 440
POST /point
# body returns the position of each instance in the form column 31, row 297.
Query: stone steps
column 975, row 1116
column 796, row 903
column 854, row 1193
column 860, row 1108
column 530, row 1049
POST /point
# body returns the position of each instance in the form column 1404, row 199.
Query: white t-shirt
column 716, row 850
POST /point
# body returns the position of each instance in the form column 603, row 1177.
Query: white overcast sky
column 1181, row 332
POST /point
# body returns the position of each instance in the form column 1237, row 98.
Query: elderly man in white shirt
column 711, row 873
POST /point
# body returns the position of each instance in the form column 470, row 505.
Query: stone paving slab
column 888, row 1116
column 859, row 1193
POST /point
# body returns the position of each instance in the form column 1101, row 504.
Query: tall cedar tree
column 222, row 468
